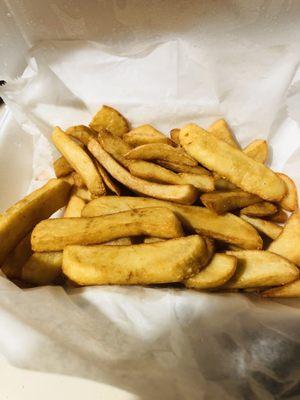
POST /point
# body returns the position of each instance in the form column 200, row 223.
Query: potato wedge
column 185, row 194
column 222, row 202
column 56, row 234
column 115, row 146
column 290, row 200
column 268, row 228
column 144, row 264
column 82, row 193
column 222, row 184
column 160, row 151
column 81, row 133
column 220, row 269
column 231, row 164
column 280, row 217
column 123, row 241
column 260, row 210
column 221, row 131
column 287, row 243
column 78, row 181
column 12, row 266
column 43, row 268
column 155, row 173
column 80, row 161
column 174, row 134
column 184, row 168
column 110, row 119
column 289, row 290
column 257, row 268
column 20, row 219
column 62, row 167
column 257, row 150
column 145, row 134
column 153, row 240
column 228, row 228
column 74, row 207
column 110, row 184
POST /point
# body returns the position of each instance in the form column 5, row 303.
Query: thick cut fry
column 80, row 161
column 110, row 184
column 222, row 202
column 185, row 194
column 220, row 269
column 145, row 134
column 62, row 167
column 160, row 151
column 153, row 240
column 268, row 228
column 231, row 164
column 256, row 268
column 43, row 268
column 289, row 290
column 222, row 184
column 82, row 133
column 110, row 119
column 184, row 168
column 288, row 242
column 20, row 219
column 156, row 173
column 257, row 150
column 221, row 131
column 124, row 241
column 115, row 146
column 280, row 217
column 84, row 194
column 228, row 227
column 74, row 207
column 69, row 179
column 260, row 210
column 56, row 234
column 290, row 200
column 78, row 181
column 12, row 266
column 174, row 133
column 144, row 264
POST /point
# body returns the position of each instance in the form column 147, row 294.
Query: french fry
column 82, row 193
column 289, row 290
column 221, row 131
column 124, row 241
column 287, row 243
column 110, row 119
column 20, row 219
column 228, row 228
column 260, row 210
column 222, row 184
column 256, row 268
column 74, row 207
column 145, row 134
column 144, row 264
column 80, row 161
column 280, row 217
column 185, row 194
column 82, row 133
column 231, row 163
column 174, row 133
column 220, row 269
column 69, row 179
column 78, row 181
column 12, row 266
column 222, row 202
column 184, row 168
column 160, row 151
column 156, row 173
column 115, row 146
column 43, row 268
column 257, row 150
column 56, row 234
column 110, row 184
column 153, row 240
column 290, row 200
column 62, row 167
column 268, row 228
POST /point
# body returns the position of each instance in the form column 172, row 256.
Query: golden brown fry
column 69, row 179
column 56, row 234
column 221, row 131
column 220, row 269
column 257, row 268
column 267, row 227
column 257, row 150
column 78, row 181
column 144, row 264
column 20, row 219
column 110, row 184
column 12, row 266
column 185, row 194
column 280, row 217
column 43, row 268
column 160, row 151
column 287, row 243
column 228, row 228
column 260, row 210
column 82, row 133
column 110, row 119
column 84, row 194
column 74, row 207
column 115, row 146
column 145, row 134
column 222, row 184
column 80, row 161
column 62, row 167
column 222, row 202
column 123, row 241
column 184, row 168
column 289, row 290
column 231, row 163
column 156, row 173
column 153, row 240
column 174, row 133
column 290, row 200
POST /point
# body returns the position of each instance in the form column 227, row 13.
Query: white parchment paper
column 243, row 65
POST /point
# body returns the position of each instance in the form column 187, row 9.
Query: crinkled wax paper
column 239, row 62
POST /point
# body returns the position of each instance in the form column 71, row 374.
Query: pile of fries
column 145, row 209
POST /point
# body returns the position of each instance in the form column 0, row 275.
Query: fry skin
column 115, row 146
column 62, row 167
column 174, row 134
column 222, row 202
column 257, row 150
column 176, row 167
column 145, row 134
column 82, row 133
column 289, row 290
column 260, row 210
column 269, row 228
column 280, row 217
column 110, row 184
column 74, row 207
column 12, row 266
column 290, row 200
column 43, row 268
column 110, row 119
column 221, row 131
